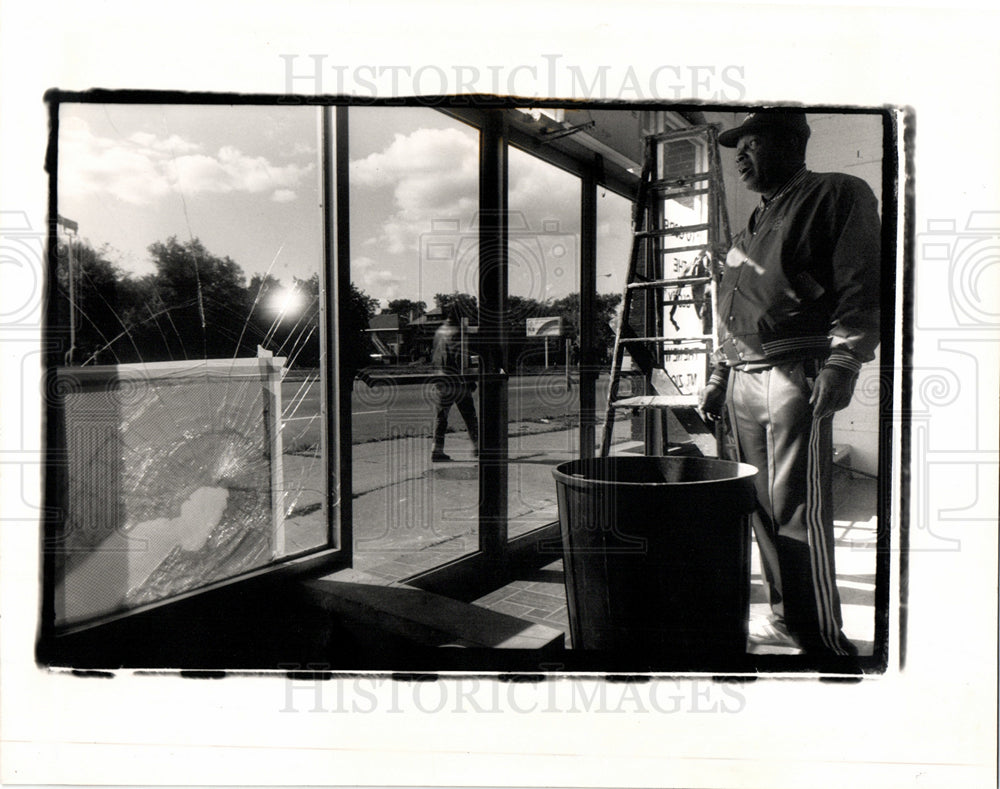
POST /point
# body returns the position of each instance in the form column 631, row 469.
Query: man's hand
column 711, row 401
column 833, row 391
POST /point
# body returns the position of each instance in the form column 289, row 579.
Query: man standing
column 450, row 385
column 798, row 314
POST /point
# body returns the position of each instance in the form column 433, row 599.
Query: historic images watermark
column 551, row 75
column 22, row 271
column 386, row 695
column 958, row 320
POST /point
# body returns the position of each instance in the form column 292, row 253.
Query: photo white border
column 931, row 724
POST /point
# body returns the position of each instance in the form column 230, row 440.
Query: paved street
column 376, row 410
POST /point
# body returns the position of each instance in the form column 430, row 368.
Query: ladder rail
column 650, row 349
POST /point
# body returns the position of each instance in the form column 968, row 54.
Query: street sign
column 543, row 327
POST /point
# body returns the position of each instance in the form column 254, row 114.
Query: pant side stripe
column 811, row 518
column 818, row 552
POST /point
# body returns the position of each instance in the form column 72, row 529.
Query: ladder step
column 673, row 192
column 687, row 133
column 671, row 231
column 677, row 282
column 684, row 302
column 679, row 181
column 676, row 250
column 656, row 401
column 683, row 349
column 688, row 338
column 656, row 377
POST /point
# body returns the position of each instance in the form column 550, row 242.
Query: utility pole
column 71, row 229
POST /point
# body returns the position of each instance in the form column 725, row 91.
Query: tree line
column 197, row 305
column 194, row 305
column 522, row 308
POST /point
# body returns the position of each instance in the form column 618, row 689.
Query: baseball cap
column 766, row 120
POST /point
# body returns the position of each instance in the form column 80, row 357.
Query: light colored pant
column 793, row 521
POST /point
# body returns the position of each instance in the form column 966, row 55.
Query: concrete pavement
column 410, row 514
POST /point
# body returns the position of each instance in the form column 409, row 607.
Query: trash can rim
column 743, row 471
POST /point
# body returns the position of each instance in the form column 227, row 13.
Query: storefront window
column 185, row 393
column 414, row 255
column 614, row 240
column 544, row 324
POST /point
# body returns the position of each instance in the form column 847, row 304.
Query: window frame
column 471, row 575
column 333, row 316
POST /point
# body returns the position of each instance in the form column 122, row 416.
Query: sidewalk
column 410, row 514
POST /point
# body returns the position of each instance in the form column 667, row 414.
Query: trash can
column 656, row 554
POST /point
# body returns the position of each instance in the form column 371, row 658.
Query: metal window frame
column 468, row 576
column 336, row 553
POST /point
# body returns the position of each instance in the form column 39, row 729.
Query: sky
column 242, row 179
column 245, row 181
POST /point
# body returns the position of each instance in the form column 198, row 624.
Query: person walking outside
column 451, row 386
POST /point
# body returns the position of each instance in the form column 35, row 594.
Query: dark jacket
column 802, row 280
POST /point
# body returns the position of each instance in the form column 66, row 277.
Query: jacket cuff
column 719, row 377
column 845, row 360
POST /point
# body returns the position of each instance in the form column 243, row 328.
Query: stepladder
column 668, row 330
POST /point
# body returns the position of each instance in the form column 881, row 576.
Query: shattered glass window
column 187, row 310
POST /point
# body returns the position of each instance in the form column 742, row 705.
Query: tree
column 205, row 300
column 362, row 305
column 568, row 308
column 605, row 309
column 407, row 308
column 468, row 306
column 100, row 293
column 355, row 342
column 262, row 320
column 287, row 327
column 261, row 287
column 520, row 308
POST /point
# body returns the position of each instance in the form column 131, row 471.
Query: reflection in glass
column 414, row 191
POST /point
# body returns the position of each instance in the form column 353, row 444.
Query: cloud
column 433, row 174
column 145, row 167
column 419, row 196
column 542, row 193
column 379, row 282
column 422, row 154
column 92, row 165
column 383, row 283
column 173, row 144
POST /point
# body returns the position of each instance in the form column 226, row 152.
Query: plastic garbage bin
column 656, row 554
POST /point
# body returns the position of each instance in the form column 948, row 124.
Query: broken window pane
column 187, row 302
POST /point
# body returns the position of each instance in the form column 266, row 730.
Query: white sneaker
column 764, row 631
